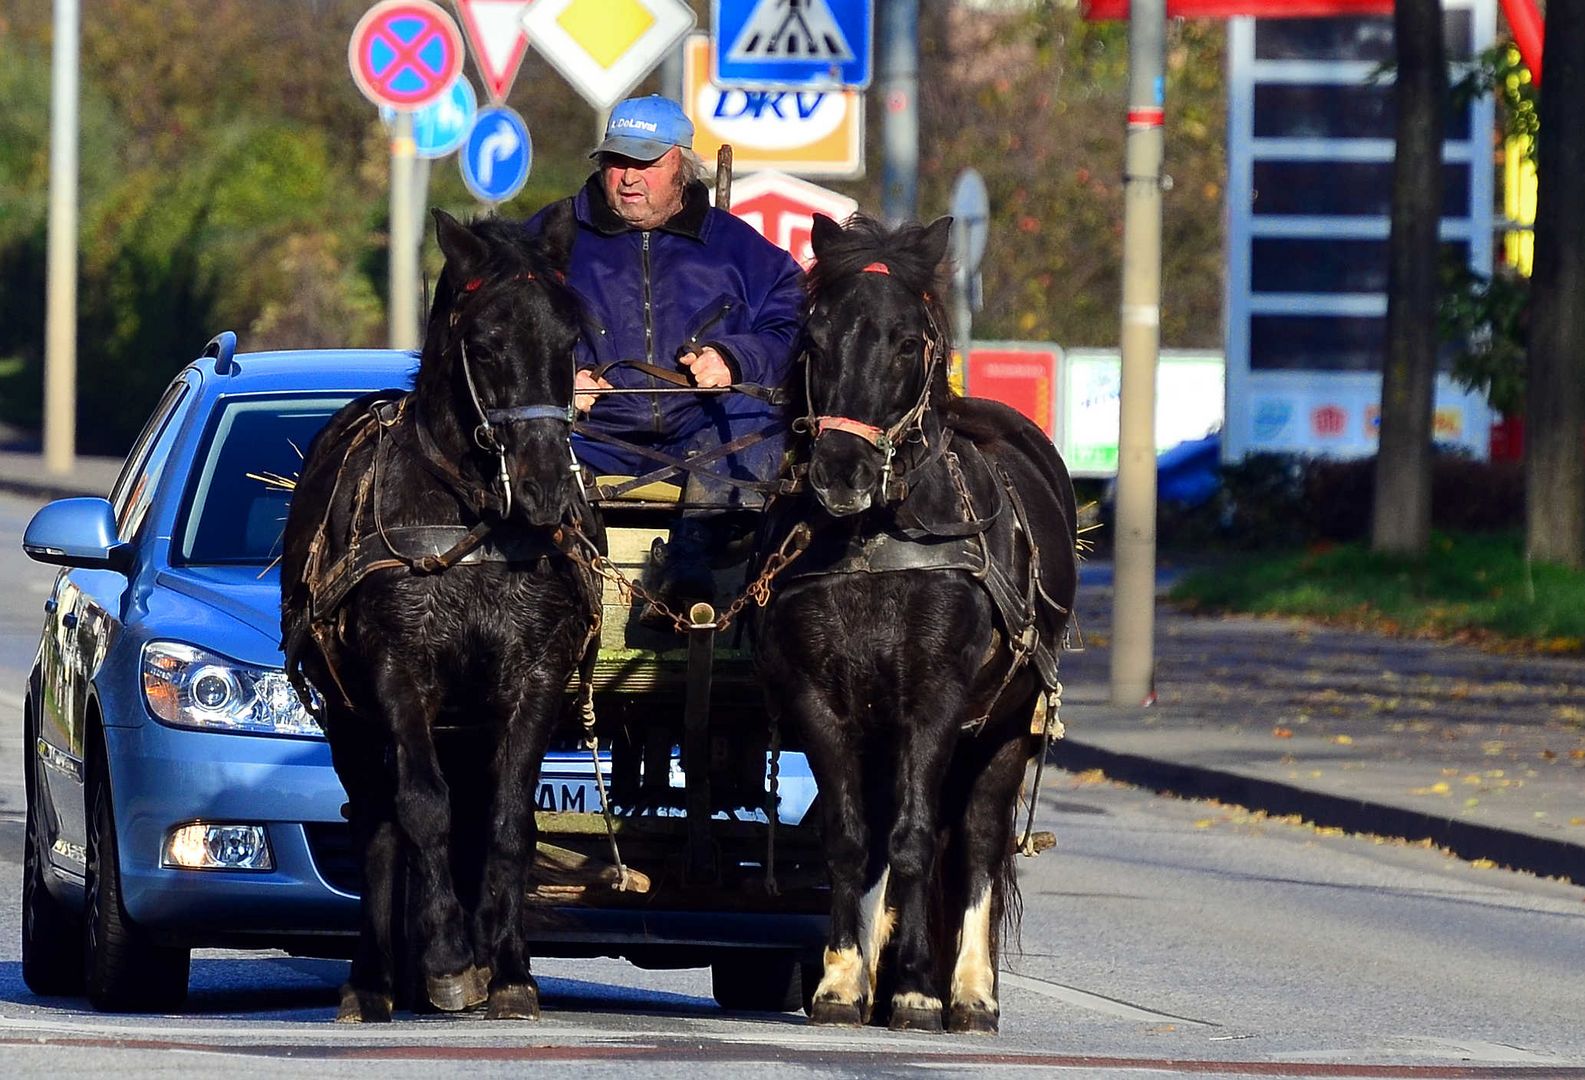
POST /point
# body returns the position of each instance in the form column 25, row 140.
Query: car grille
column 330, row 846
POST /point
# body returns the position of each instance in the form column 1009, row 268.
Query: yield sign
column 605, row 47
column 495, row 30
column 405, row 53
column 782, row 209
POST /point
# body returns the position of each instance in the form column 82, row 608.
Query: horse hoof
column 907, row 1018
column 973, row 1020
column 518, row 1001
column 478, row 985
column 837, row 1013
column 454, row 993
column 362, row 1007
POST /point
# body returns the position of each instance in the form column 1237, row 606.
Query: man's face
column 645, row 194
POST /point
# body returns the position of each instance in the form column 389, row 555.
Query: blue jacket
column 703, row 278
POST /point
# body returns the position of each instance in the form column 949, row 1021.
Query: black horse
column 914, row 640
column 425, row 574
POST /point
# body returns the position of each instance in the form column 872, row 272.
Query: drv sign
column 804, row 132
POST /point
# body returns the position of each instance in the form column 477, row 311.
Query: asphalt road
column 1159, row 936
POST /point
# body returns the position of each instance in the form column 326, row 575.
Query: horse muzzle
column 843, row 481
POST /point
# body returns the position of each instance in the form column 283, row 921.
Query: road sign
column 605, row 47
column 497, row 155
column 405, row 53
column 442, row 125
column 782, row 208
column 971, row 221
column 805, row 132
column 495, row 30
column 794, row 44
column 1018, row 374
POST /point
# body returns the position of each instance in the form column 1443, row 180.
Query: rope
column 592, row 742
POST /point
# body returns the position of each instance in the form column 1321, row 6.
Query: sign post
column 971, row 224
column 498, row 155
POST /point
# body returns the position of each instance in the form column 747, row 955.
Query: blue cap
column 645, row 128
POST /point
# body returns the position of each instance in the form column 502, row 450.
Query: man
column 672, row 283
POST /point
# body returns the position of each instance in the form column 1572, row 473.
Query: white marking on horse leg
column 915, row 1000
column 973, row 976
column 843, row 981
column 876, row 922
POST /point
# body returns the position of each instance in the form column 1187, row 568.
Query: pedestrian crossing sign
column 794, row 44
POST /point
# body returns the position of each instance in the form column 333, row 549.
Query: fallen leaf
column 1343, row 740
column 1204, row 823
column 1484, row 864
column 1282, row 732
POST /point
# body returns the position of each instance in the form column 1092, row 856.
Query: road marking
column 1095, row 1002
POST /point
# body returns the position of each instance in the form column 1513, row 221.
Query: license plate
column 569, row 795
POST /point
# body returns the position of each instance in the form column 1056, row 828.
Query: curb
column 44, row 489
column 1505, row 847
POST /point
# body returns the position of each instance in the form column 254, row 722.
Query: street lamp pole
column 60, row 310
column 1134, row 593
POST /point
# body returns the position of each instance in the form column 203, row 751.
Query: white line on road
column 1095, row 1002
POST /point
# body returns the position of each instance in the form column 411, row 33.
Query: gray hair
column 692, row 167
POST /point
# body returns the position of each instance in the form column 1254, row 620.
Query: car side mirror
column 77, row 532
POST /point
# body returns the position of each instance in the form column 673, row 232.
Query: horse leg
column 367, row 996
column 986, row 847
column 423, row 809
column 926, row 745
column 843, row 996
column 508, row 867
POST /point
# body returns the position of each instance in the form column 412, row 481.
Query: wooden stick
column 723, row 177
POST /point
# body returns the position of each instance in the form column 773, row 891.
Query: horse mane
column 865, row 240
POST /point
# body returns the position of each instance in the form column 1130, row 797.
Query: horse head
column 875, row 352
column 495, row 381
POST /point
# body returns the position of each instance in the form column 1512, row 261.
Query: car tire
column 52, row 933
column 123, row 969
column 757, row 980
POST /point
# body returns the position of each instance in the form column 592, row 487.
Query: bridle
column 486, row 434
column 885, row 439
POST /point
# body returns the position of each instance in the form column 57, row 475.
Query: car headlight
column 186, row 686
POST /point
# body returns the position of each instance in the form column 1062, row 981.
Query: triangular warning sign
column 495, row 31
column 790, row 30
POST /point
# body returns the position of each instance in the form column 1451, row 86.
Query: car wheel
column 760, row 980
column 52, row 959
column 125, row 971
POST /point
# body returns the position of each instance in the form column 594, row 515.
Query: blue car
column 179, row 795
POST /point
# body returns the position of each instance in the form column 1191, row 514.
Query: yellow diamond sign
column 605, row 47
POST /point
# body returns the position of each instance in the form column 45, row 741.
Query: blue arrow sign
column 442, row 125
column 794, row 44
column 497, row 155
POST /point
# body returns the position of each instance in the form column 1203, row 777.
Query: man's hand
column 706, row 367
column 585, row 380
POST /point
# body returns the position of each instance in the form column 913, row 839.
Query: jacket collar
column 690, row 221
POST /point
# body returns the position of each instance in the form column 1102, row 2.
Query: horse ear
column 463, row 250
column 937, row 235
column 822, row 233
column 557, row 231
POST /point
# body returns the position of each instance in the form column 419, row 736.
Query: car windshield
column 236, row 509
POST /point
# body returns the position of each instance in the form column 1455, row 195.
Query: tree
column 1402, row 518
column 1555, row 409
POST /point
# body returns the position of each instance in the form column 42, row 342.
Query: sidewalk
column 1481, row 753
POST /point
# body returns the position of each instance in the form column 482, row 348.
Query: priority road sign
column 605, row 47
column 794, row 44
column 495, row 30
column 442, row 126
column 782, row 209
column 803, row 132
column 405, row 53
column 497, row 156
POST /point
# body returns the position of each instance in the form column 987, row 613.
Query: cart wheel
column 757, row 980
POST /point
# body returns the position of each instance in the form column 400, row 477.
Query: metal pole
column 402, row 305
column 60, row 313
column 671, row 74
column 1134, row 595
column 899, row 97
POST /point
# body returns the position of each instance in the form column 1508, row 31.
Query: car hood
column 229, row 609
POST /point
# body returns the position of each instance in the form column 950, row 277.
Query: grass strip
column 1467, row 586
